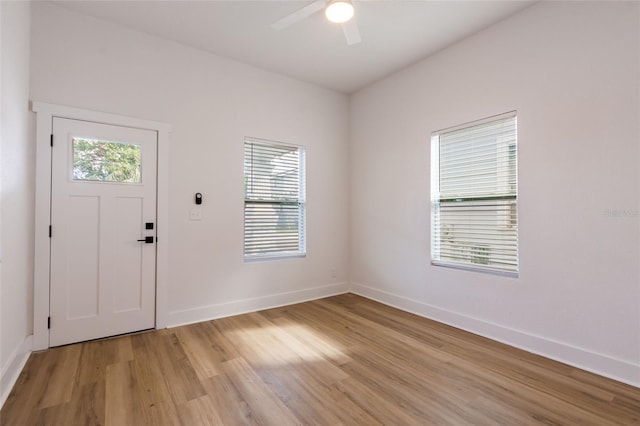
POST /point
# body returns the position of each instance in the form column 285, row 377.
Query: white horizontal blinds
column 474, row 202
column 274, row 199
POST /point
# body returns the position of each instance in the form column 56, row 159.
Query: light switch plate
column 195, row 214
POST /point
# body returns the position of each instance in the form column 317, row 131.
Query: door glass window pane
column 97, row 160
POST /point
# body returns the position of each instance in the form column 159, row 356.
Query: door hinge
column 49, row 323
column 50, row 231
column 51, row 139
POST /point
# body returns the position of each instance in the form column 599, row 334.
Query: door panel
column 129, row 255
column 103, row 192
column 82, row 222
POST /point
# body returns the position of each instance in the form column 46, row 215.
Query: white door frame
column 45, row 113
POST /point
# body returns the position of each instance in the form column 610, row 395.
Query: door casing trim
column 45, row 112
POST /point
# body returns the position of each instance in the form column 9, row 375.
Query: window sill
column 474, row 268
column 267, row 258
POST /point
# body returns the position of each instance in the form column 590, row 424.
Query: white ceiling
column 395, row 33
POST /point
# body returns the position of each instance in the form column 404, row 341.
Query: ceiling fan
column 336, row 11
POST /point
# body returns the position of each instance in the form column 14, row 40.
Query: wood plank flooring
column 343, row 360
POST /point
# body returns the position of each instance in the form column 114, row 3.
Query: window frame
column 510, row 199
column 301, row 252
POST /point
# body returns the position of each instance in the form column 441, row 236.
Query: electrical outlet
column 195, row 214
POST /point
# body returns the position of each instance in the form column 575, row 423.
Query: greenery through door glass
column 106, row 161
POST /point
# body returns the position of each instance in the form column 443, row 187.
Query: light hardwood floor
column 343, row 360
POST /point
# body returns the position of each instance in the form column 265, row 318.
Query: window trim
column 435, row 197
column 302, row 203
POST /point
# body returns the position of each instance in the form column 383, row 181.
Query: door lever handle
column 147, row 240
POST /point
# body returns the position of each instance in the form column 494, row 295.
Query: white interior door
column 103, row 202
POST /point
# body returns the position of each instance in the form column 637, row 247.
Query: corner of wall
column 17, row 209
column 13, row 368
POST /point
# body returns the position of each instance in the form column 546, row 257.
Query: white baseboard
column 12, row 369
column 584, row 359
column 237, row 307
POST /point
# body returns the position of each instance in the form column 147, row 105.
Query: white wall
column 571, row 70
column 212, row 104
column 17, row 192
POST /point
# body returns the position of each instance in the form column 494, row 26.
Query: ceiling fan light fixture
column 339, row 11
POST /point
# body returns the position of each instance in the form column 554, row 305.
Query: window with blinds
column 274, row 200
column 474, row 196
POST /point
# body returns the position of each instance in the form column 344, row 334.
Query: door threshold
column 116, row 336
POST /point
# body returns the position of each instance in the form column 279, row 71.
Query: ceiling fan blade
column 351, row 32
column 299, row 15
